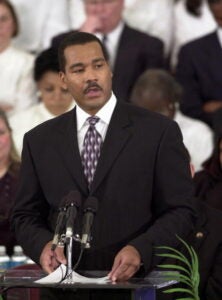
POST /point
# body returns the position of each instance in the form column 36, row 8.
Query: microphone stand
column 69, row 257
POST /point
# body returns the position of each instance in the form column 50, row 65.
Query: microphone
column 90, row 209
column 60, row 224
column 73, row 203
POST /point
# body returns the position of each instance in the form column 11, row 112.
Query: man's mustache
column 91, row 85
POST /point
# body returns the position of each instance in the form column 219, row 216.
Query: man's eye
column 78, row 71
column 98, row 66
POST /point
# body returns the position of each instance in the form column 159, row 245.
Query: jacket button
column 199, row 235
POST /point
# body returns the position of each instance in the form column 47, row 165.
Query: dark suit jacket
column 142, row 183
column 207, row 241
column 136, row 52
column 199, row 72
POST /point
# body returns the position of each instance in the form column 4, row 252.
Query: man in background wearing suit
column 142, row 180
column 130, row 51
column 199, row 71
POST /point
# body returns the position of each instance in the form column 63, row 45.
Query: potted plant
column 187, row 271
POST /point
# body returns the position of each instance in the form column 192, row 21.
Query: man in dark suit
column 199, row 71
column 142, row 180
column 131, row 52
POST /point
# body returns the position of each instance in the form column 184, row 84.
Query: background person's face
column 54, row 96
column 7, row 25
column 87, row 76
column 108, row 11
column 216, row 10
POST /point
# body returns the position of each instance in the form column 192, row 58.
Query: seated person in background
column 141, row 15
column 192, row 20
column 55, row 100
column 18, row 90
column 199, row 71
column 158, row 91
column 207, row 241
column 130, row 51
column 208, row 182
column 9, row 169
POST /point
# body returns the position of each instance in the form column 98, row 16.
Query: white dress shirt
column 16, row 79
column 197, row 137
column 28, row 119
column 104, row 115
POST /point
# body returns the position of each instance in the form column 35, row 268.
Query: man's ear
column 63, row 79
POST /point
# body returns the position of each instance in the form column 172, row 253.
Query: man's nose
column 91, row 75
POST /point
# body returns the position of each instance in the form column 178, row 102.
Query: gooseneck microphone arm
column 60, row 224
column 90, row 209
column 74, row 202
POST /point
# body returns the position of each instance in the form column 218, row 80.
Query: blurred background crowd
column 166, row 56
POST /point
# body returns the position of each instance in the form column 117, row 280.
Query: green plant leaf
column 189, row 272
column 175, row 257
column 178, row 290
column 180, row 256
column 176, row 267
column 185, row 299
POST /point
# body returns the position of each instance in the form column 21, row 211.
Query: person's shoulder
column 24, row 116
column 141, row 116
column 139, row 36
column 199, row 44
column 21, row 53
column 191, row 123
column 49, row 126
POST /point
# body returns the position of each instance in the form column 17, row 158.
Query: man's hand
column 126, row 264
column 6, row 107
column 50, row 260
column 91, row 25
column 212, row 106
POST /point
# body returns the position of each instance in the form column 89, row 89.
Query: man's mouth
column 92, row 90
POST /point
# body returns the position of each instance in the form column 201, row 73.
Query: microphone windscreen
column 91, row 204
column 74, row 197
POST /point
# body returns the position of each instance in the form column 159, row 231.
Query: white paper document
column 59, row 274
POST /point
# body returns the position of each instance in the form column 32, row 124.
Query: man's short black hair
column 77, row 38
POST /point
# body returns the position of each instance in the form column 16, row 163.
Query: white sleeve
column 26, row 87
column 77, row 13
column 57, row 21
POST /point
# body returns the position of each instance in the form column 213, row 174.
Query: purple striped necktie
column 91, row 149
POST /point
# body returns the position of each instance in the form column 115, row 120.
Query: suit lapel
column 117, row 136
column 68, row 144
column 215, row 56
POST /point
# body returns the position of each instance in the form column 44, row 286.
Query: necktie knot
column 93, row 120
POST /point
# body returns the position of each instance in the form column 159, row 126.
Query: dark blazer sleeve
column 199, row 72
column 136, row 53
column 32, row 232
column 187, row 75
column 173, row 207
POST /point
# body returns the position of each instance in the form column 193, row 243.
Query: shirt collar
column 114, row 34
column 105, row 113
column 219, row 34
